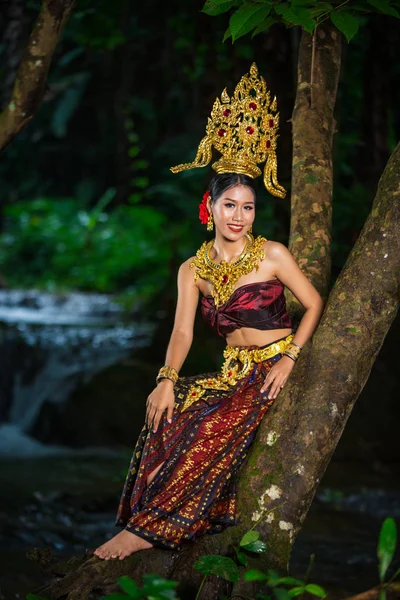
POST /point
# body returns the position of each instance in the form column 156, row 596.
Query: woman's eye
column 229, row 204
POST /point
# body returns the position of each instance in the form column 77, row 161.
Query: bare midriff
column 246, row 336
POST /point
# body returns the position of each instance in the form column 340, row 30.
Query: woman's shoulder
column 186, row 265
column 189, row 266
column 274, row 249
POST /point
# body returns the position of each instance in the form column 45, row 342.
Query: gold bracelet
column 167, row 372
column 294, row 344
column 292, row 350
column 290, row 356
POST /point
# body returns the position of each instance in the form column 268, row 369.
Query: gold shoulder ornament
column 244, row 129
column 224, row 275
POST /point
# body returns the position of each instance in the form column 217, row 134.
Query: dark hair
column 225, row 181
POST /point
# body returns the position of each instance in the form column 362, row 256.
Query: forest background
column 88, row 201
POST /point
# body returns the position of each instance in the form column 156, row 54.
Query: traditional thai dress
column 214, row 423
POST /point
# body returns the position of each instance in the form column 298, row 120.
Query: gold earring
column 210, row 223
column 250, row 230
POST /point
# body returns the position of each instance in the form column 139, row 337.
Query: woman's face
column 233, row 212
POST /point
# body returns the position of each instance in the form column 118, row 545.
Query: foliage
column 386, row 549
column 54, row 243
column 228, row 569
column 258, row 16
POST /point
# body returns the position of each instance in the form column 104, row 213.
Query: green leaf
column 264, row 26
column 218, row 565
column 250, row 536
column 227, row 35
column 296, row 591
column 246, row 18
column 386, row 545
column 257, row 547
column 383, row 6
column 295, row 15
column 304, row 19
column 345, row 22
column 128, row 585
column 217, row 7
column 289, row 581
column 316, row 590
column 254, row 575
column 242, row 558
column 158, row 583
column 322, row 8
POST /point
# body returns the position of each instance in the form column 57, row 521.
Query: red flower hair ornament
column 203, row 210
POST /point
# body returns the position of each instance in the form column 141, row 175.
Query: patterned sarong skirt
column 214, row 423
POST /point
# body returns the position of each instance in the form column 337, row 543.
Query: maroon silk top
column 259, row 305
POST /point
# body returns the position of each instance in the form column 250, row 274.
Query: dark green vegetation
column 87, row 198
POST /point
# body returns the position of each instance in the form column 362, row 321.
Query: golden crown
column 244, row 129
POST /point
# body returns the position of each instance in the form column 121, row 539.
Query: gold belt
column 231, row 371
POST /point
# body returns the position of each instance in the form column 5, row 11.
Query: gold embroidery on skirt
column 230, row 373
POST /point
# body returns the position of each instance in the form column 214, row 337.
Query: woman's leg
column 126, row 542
column 192, row 495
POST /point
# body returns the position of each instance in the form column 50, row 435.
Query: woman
column 167, row 506
column 198, row 430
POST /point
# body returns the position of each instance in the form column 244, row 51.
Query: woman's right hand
column 161, row 398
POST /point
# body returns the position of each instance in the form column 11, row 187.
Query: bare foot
column 122, row 545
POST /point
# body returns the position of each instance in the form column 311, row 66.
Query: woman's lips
column 235, row 228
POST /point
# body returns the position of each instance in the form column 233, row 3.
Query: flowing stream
column 50, row 345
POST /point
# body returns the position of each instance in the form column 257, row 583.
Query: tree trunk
column 299, row 434
column 313, row 128
column 30, row 82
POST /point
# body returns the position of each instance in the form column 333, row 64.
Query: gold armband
column 293, row 351
column 167, row 372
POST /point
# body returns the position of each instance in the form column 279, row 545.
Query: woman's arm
column 179, row 345
column 288, row 271
column 182, row 333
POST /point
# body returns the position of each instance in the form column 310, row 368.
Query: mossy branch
column 30, row 81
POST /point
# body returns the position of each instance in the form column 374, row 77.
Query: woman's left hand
column 277, row 376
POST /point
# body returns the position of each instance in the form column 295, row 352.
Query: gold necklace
column 224, row 275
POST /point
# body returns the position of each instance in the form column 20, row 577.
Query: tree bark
column 30, row 82
column 299, row 434
column 313, row 126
